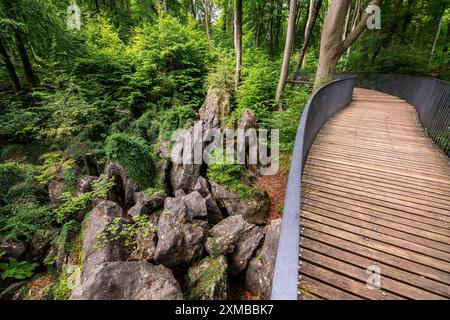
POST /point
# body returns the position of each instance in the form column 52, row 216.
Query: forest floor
column 275, row 186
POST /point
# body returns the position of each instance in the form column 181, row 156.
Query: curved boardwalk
column 375, row 192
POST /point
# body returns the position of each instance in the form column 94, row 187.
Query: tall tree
column 207, row 20
column 314, row 9
column 10, row 68
column 18, row 36
column 331, row 44
column 438, row 32
column 290, row 36
column 238, row 41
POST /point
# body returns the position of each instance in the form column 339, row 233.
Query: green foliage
column 231, row 175
column 28, row 219
column 53, row 166
column 126, row 233
column 72, row 205
column 17, row 270
column 102, row 186
column 57, row 291
column 134, row 155
column 258, row 86
column 287, row 121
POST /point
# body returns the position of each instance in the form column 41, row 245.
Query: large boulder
column 145, row 241
column 207, row 280
column 216, row 107
column 84, row 184
column 254, row 210
column 214, row 213
column 102, row 216
column 12, row 248
column 261, row 268
column 237, row 238
column 125, row 187
column 247, row 120
column 180, row 238
column 39, row 246
column 129, row 281
column 196, row 205
column 147, row 204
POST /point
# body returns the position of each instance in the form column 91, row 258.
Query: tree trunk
column 238, row 41
column 207, row 23
column 331, row 45
column 436, row 38
column 31, row 79
column 290, row 35
column 97, row 7
column 314, row 10
column 10, row 68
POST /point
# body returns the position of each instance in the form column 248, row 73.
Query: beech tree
column 290, row 35
column 332, row 46
column 10, row 68
column 238, row 41
column 314, row 9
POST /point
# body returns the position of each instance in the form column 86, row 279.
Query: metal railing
column 321, row 106
column 430, row 97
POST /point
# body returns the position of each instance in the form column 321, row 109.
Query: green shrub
column 29, row 219
column 57, row 291
column 134, row 155
column 17, row 270
column 287, row 121
column 232, row 176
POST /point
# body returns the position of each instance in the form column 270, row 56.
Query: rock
column 83, row 184
column 39, row 245
column 99, row 219
column 248, row 119
column 55, row 191
column 125, row 187
column 129, row 281
column 145, row 242
column 139, row 209
column 261, row 268
column 244, row 248
column 180, row 239
column 202, row 186
column 147, row 204
column 180, row 193
column 215, row 108
column 13, row 248
column 207, row 280
column 214, row 214
column 196, row 205
column 254, row 210
column 13, row 291
column 236, row 237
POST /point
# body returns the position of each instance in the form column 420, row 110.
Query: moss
column 212, row 280
column 213, row 247
column 134, row 155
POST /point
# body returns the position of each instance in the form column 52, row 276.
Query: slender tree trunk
column 238, row 41
column 10, row 68
column 436, row 38
column 97, row 7
column 31, row 79
column 331, row 45
column 290, row 36
column 314, row 10
column 207, row 21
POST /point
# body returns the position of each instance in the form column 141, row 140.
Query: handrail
column 430, row 97
column 321, row 106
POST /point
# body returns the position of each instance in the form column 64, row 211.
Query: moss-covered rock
column 207, row 280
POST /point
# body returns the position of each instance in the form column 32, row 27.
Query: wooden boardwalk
column 376, row 192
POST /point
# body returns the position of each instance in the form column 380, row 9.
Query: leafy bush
column 134, row 155
column 287, row 121
column 17, row 270
column 29, row 219
column 232, row 176
column 57, row 291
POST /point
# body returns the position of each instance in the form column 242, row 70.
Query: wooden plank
column 424, row 285
column 438, row 258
